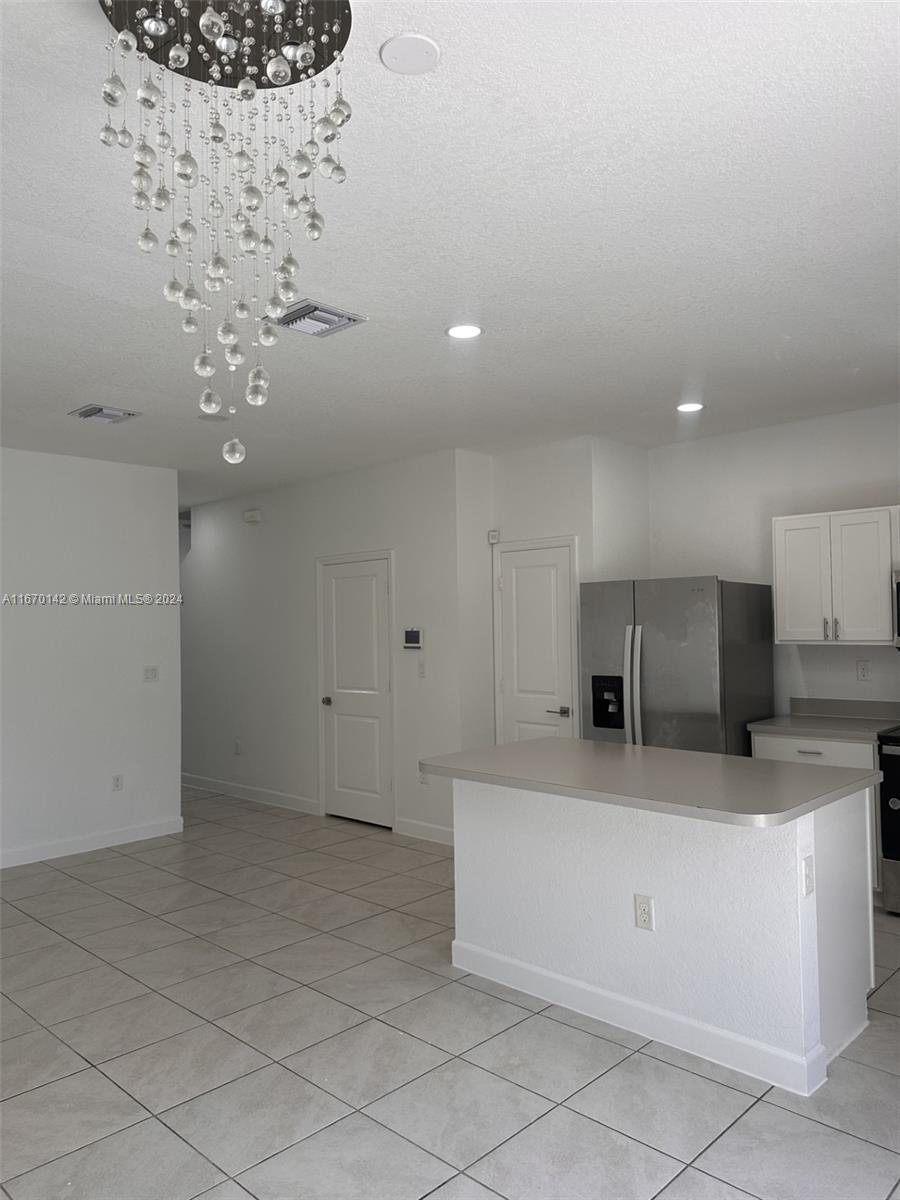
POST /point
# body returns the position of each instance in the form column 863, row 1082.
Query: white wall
column 250, row 662
column 712, row 503
column 75, row 708
column 587, row 486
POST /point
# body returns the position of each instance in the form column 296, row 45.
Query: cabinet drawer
column 822, row 752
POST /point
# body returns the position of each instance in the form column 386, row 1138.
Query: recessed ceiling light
column 690, row 406
column 410, row 54
column 464, row 331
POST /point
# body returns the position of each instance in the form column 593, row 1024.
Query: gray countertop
column 845, row 729
column 688, row 783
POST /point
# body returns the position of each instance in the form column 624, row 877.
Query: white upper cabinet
column 802, row 553
column 861, row 575
column 833, row 577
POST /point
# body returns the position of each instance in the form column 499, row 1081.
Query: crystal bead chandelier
column 237, row 111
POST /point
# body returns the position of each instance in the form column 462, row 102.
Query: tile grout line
column 453, row 1057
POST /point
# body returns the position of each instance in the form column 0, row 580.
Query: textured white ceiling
column 632, row 199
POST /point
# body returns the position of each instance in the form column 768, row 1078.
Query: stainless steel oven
column 889, row 762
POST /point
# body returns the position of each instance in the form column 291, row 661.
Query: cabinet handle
column 837, row 630
column 818, row 753
column 826, row 628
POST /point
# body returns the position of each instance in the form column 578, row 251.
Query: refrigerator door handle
column 638, row 724
column 626, row 677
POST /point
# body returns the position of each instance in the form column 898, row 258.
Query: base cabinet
column 828, row 752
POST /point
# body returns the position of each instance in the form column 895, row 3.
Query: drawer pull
column 818, row 753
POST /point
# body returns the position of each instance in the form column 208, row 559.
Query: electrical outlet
column 863, row 670
column 238, row 748
column 118, row 783
column 151, row 674
column 644, row 917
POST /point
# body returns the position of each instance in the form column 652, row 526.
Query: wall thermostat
column 412, row 639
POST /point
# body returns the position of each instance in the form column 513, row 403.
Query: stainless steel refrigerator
column 684, row 663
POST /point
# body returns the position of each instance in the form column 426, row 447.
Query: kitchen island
column 760, row 955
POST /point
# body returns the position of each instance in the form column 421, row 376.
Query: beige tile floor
column 264, row 1005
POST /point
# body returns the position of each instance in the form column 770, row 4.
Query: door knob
column 562, row 711
column 326, row 700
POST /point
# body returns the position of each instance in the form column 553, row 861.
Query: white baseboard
column 422, row 829
column 244, row 792
column 795, row 1073
column 89, row 841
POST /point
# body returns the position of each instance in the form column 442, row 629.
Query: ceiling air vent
column 318, row 320
column 103, row 414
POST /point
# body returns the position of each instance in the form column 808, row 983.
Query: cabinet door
column 802, row 554
column 861, row 574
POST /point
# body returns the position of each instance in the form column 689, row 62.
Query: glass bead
column 302, row 164
column 259, row 375
column 292, row 208
column 235, row 354
column 227, row 334
column 190, row 324
column 144, row 155
column 341, row 106
column 226, row 44
column 213, row 284
column 290, row 264
column 256, row 395
column 306, row 203
column 211, row 24
column 148, row 241
column 218, row 266
column 251, row 197
column 267, row 246
column 311, row 148
column 238, row 221
column 126, row 41
column 242, row 311
column 155, row 27
column 210, row 401
column 287, row 290
column 141, row 180
column 246, row 89
column 234, row 452
column 242, row 162
column 108, row 135
column 172, row 290
column 268, row 334
column 164, row 139
column 186, row 168
column 148, row 95
column 204, row 366
column 326, row 166
column 190, row 298
column 325, row 129
column 125, row 138
column 313, row 232
column 140, row 200
column 248, row 239
column 275, row 307
column 217, row 132
column 278, row 70
column 274, row 8
column 339, row 173
column 178, row 57
column 173, row 247
column 114, row 91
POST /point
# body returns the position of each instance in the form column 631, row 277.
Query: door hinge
column 499, row 583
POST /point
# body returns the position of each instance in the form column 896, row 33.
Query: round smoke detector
column 410, row 54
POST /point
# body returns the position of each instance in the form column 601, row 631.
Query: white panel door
column 861, row 575
column 356, row 701
column 802, row 553
column 536, row 638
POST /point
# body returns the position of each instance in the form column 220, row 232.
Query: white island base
column 742, row 968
